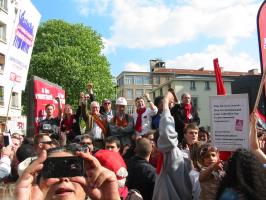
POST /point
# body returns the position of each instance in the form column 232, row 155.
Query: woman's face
column 67, row 188
column 68, row 109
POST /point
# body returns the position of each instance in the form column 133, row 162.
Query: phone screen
column 6, row 140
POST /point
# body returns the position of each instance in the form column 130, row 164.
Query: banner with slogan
column 45, row 93
column 230, row 121
column 21, row 45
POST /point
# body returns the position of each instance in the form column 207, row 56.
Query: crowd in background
column 159, row 152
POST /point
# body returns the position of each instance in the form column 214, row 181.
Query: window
column 130, row 109
column 2, row 62
column 129, row 94
column 192, row 85
column 3, row 4
column 1, row 95
column 157, row 80
column 146, row 80
column 138, row 80
column 128, row 80
column 139, row 92
column 207, row 85
column 15, row 100
column 2, row 32
column 194, row 101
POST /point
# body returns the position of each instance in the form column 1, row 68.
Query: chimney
column 253, row 72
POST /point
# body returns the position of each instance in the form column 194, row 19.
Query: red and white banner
column 45, row 93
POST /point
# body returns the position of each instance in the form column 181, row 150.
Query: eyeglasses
column 47, row 142
column 107, row 103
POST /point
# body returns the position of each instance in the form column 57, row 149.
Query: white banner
column 17, row 125
column 21, row 45
column 230, row 122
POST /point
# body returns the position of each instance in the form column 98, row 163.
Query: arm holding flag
column 254, row 143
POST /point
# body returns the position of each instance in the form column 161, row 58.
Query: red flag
column 219, row 81
column 224, row 155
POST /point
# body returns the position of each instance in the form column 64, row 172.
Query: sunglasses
column 107, row 103
column 85, row 143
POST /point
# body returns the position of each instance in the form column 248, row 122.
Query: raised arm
column 254, row 143
column 59, row 115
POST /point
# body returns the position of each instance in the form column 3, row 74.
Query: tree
column 70, row 56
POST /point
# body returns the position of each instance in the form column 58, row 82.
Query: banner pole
column 8, row 108
column 259, row 91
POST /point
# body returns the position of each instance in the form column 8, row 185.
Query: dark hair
column 245, row 174
column 157, row 100
column 85, row 136
column 25, row 151
column 138, row 98
column 47, row 105
column 71, row 148
column 113, row 139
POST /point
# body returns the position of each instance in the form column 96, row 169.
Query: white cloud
column 229, row 60
column 131, row 66
column 85, row 7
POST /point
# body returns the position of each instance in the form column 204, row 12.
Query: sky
column 185, row 34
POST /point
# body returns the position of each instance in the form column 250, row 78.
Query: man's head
column 49, row 109
column 95, row 108
column 121, row 104
column 143, row 148
column 86, row 141
column 140, row 103
column 186, row 98
column 112, row 143
column 191, row 133
column 42, row 141
column 16, row 141
column 107, row 105
column 68, row 110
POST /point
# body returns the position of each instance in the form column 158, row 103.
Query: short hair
column 49, row 104
column 85, row 136
column 25, row 151
column 185, row 94
column 138, row 98
column 95, row 103
column 157, row 100
column 38, row 136
column 143, row 147
column 192, row 126
column 113, row 139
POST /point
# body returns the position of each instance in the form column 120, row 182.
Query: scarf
column 100, row 123
column 120, row 122
column 138, row 126
column 188, row 111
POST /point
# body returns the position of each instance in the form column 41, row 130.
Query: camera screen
column 56, row 167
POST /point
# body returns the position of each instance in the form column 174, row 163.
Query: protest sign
column 230, row 121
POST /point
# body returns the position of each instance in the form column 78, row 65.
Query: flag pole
column 259, row 91
column 8, row 108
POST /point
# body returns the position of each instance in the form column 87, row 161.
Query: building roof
column 197, row 72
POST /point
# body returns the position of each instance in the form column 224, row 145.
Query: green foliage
column 70, row 56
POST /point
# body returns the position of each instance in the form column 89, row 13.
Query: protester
column 96, row 126
column 143, row 114
column 51, row 124
column 70, row 124
column 245, row 178
column 86, row 142
column 141, row 174
column 158, row 102
column 204, row 135
column 112, row 143
column 106, row 110
column 173, row 181
column 211, row 172
column 122, row 124
column 100, row 183
column 184, row 114
column 42, row 142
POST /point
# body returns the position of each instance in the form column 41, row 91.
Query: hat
column 121, row 101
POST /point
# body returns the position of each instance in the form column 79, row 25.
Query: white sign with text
column 230, row 121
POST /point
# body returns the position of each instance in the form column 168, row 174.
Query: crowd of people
column 159, row 152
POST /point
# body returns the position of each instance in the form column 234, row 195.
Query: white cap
column 121, row 101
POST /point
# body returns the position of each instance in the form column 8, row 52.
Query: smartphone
column 57, row 167
column 6, row 140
